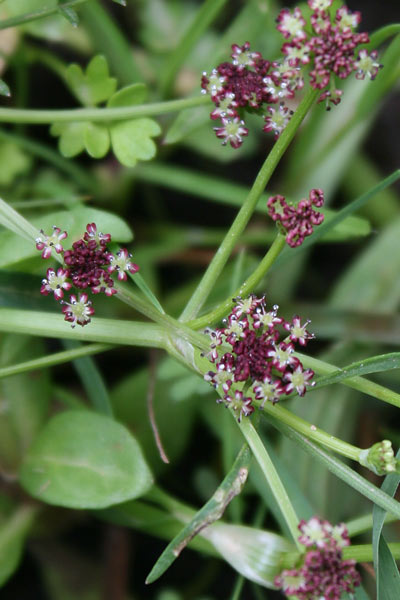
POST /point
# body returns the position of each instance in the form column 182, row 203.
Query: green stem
column 222, row 255
column 53, row 359
column 271, row 476
column 311, row 431
column 363, row 552
column 43, row 116
column 358, row 383
column 149, row 310
column 339, row 469
column 108, row 331
column 204, row 17
column 37, row 14
column 248, row 286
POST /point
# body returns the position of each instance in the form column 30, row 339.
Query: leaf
column 12, row 535
column 128, row 96
column 131, row 140
column 97, row 140
column 387, row 574
column 85, row 460
column 4, row 89
column 93, row 86
column 211, row 511
column 70, row 14
column 120, row 2
column 375, row 364
column 13, row 162
column 24, row 401
column 72, row 137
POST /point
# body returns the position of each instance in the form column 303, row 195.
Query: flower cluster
column 297, row 221
column 257, row 356
column 325, row 46
column 330, row 50
column 87, row 265
column 324, row 573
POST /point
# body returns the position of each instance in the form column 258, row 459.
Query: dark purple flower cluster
column 88, row 264
column 331, row 48
column 298, row 221
column 257, row 355
column 249, row 82
column 324, row 573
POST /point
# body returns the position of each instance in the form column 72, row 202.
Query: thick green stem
column 43, row 116
column 221, row 257
column 149, row 310
column 271, row 476
column 358, row 383
column 363, row 552
column 37, row 14
column 205, row 16
column 108, row 331
column 248, row 286
column 312, row 431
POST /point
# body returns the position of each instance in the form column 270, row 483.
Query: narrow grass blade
column 387, row 574
column 211, row 511
column 375, row 364
column 56, row 358
column 92, row 380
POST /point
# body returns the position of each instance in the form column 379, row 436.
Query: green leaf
column 388, row 579
column 85, row 460
column 93, row 86
column 120, row 2
column 387, row 574
column 70, row 14
column 13, row 162
column 211, row 511
column 131, row 140
column 128, row 96
column 72, row 137
column 12, row 536
column 4, row 89
column 97, row 140
column 375, row 364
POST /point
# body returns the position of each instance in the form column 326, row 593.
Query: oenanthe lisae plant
column 230, row 346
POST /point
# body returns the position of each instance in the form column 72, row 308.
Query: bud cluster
column 297, row 221
column 324, row 573
column 87, row 265
column 325, row 46
column 258, row 357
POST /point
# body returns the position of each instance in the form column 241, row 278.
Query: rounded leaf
column 131, row 140
column 85, row 460
column 136, row 93
column 97, row 140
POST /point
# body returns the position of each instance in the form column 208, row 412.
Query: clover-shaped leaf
column 76, row 137
column 136, row 93
column 72, row 137
column 131, row 140
column 93, row 86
